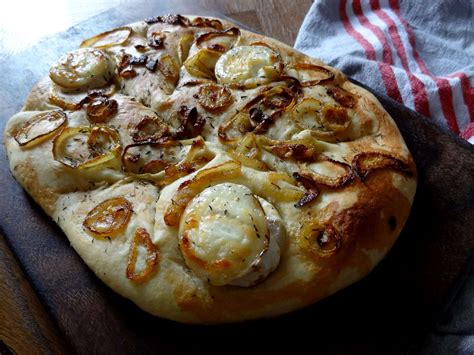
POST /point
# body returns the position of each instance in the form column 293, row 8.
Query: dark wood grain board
column 390, row 309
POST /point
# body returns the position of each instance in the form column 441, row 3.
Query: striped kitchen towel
column 420, row 53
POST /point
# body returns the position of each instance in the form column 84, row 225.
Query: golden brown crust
column 333, row 238
column 45, row 196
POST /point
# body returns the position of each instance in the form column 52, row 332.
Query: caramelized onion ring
column 201, row 64
column 149, row 129
column 334, row 119
column 323, row 120
column 169, row 68
column 40, row 127
column 142, row 237
column 206, row 22
column 323, row 240
column 299, row 150
column 279, row 187
column 259, row 43
column 101, row 108
column 214, row 98
column 96, row 154
column 163, row 171
column 317, row 68
column 247, row 152
column 117, row 36
column 341, row 96
column 295, row 151
column 312, row 191
column 314, row 182
column 190, row 188
column 108, row 218
column 185, row 43
column 152, row 166
column 230, row 32
column 364, row 163
column 73, row 101
column 251, row 119
column 197, row 157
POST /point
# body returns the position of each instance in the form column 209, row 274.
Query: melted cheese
column 249, row 66
column 269, row 261
column 85, row 67
column 226, row 237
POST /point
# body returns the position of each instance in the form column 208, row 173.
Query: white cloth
column 420, row 53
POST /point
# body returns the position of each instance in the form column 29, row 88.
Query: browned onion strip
column 192, row 124
column 324, row 121
column 190, row 188
column 108, row 218
column 214, row 98
column 341, row 96
column 197, row 157
column 149, row 129
column 40, row 127
column 259, row 43
column 185, row 22
column 157, row 40
column 165, row 64
column 253, row 163
column 317, row 68
column 314, row 182
column 174, row 172
column 295, row 151
column 100, row 136
column 247, row 152
column 240, row 121
column 206, row 22
column 137, row 164
column 192, row 83
column 169, row 163
column 101, row 108
column 255, row 121
column 201, row 64
column 312, row 191
column 364, row 163
column 118, row 37
column 140, row 48
column 293, row 85
column 272, row 97
column 279, row 187
column 128, row 73
column 333, row 183
column 334, row 119
column 184, row 45
column 141, row 237
column 169, row 19
column 101, row 146
column 230, row 32
column 278, row 98
column 260, row 120
column 75, row 100
column 299, row 150
column 169, row 68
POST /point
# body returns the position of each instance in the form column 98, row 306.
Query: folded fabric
column 419, row 53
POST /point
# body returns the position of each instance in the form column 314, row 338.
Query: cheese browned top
column 210, row 174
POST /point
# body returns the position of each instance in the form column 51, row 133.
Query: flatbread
column 210, row 174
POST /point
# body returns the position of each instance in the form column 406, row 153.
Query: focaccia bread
column 210, row 174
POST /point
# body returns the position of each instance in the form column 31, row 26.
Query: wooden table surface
column 25, row 327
